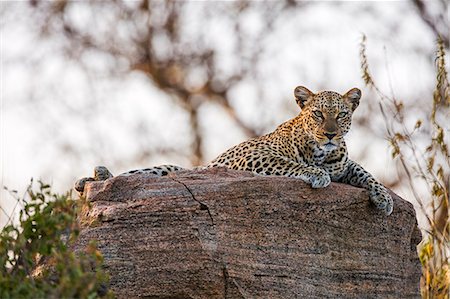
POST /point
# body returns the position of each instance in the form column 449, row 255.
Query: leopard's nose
column 329, row 135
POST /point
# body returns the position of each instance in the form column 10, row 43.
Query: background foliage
column 35, row 256
column 427, row 163
column 130, row 84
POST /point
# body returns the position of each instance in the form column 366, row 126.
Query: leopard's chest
column 332, row 161
column 319, row 156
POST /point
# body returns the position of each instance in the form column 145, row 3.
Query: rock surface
column 219, row 233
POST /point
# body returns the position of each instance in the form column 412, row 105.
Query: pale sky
column 318, row 48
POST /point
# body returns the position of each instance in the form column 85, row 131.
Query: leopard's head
column 327, row 115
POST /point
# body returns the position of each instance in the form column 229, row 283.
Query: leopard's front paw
column 318, row 178
column 382, row 199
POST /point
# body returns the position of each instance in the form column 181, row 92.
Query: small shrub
column 35, row 256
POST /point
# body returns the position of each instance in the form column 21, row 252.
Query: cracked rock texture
column 220, row 233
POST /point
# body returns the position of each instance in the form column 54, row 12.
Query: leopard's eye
column 318, row 113
column 342, row 114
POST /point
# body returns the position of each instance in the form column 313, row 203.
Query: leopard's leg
column 280, row 166
column 161, row 170
column 101, row 173
column 357, row 176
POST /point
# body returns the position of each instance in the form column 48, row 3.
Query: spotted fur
column 309, row 147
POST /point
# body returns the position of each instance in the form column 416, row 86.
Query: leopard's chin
column 329, row 146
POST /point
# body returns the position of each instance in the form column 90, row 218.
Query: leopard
column 309, row 147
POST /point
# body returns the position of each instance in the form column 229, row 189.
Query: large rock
column 219, row 233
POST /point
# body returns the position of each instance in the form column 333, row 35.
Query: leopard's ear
column 352, row 97
column 302, row 94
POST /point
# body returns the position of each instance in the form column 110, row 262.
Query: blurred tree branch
column 156, row 45
column 196, row 55
column 438, row 22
